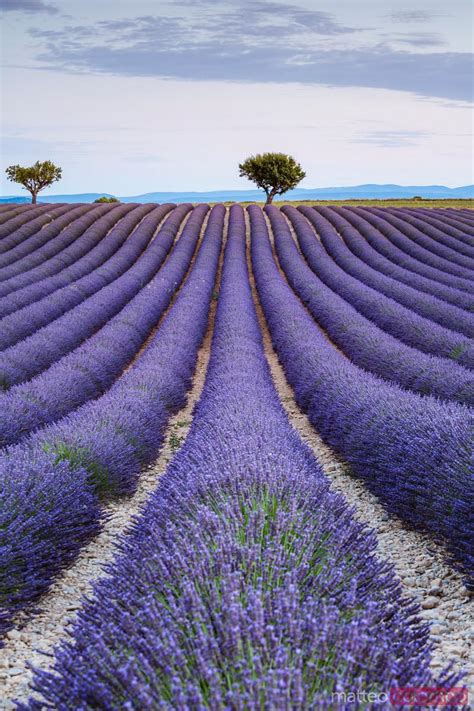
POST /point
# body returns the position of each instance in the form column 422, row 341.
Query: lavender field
column 236, row 456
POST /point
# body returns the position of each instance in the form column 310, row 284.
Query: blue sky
column 130, row 96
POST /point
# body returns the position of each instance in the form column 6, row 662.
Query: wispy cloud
column 391, row 139
column 409, row 16
column 259, row 41
column 419, row 39
column 28, row 6
column 250, row 17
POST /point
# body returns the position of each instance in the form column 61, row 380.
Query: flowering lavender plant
column 90, row 369
column 106, row 261
column 103, row 445
column 59, row 235
column 447, row 315
column 363, row 242
column 400, row 321
column 429, row 241
column 16, row 231
column 443, row 229
column 413, row 452
column 360, row 339
column 403, row 251
column 246, row 583
column 37, row 352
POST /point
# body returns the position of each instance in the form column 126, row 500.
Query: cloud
column 391, row 139
column 27, row 6
column 410, row 16
column 261, row 41
column 249, row 17
column 420, row 39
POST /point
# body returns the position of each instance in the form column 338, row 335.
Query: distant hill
column 368, row 192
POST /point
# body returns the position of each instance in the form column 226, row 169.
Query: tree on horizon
column 275, row 173
column 35, row 177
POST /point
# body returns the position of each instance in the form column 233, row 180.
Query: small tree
column 36, row 177
column 107, row 199
column 275, row 173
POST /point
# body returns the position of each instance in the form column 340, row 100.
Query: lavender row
column 74, row 249
column 28, row 247
column 452, row 226
column 51, row 342
column 32, row 220
column 22, row 323
column 392, row 248
column 53, row 241
column 409, row 240
column 424, row 241
column 8, row 207
column 457, row 219
column 450, row 317
column 88, row 371
column 17, row 219
column 413, row 452
column 9, row 212
column 362, row 341
column 441, row 239
column 393, row 318
column 464, row 214
column 98, row 246
column 52, row 482
column 245, row 583
column 373, row 251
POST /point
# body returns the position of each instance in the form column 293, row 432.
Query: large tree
column 35, row 178
column 275, row 173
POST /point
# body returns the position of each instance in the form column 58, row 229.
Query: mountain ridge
column 365, row 191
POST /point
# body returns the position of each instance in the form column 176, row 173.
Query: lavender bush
column 393, row 251
column 397, row 320
column 8, row 212
column 27, row 251
column 441, row 240
column 461, row 233
column 414, row 453
column 407, row 253
column 37, row 352
column 112, row 257
column 88, row 371
column 426, row 248
column 246, row 583
column 52, row 240
column 360, row 242
column 105, row 442
column 428, row 306
column 27, row 223
column 97, row 251
column 66, row 257
column 464, row 214
column 361, row 340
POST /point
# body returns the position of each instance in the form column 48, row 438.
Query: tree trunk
column 33, row 198
column 269, row 199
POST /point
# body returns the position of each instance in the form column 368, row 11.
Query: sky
column 134, row 96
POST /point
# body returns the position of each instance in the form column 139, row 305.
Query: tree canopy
column 275, row 173
column 104, row 198
column 35, row 177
